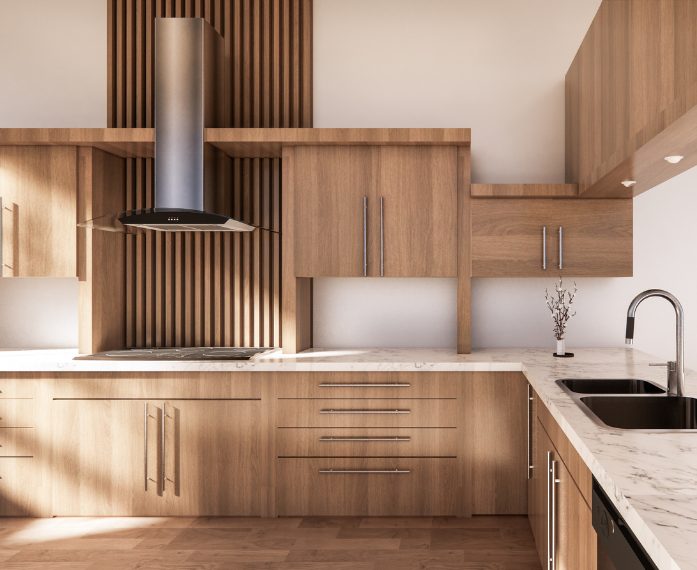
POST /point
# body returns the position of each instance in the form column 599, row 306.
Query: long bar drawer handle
column 365, row 385
column 365, row 471
column 330, row 438
column 333, row 411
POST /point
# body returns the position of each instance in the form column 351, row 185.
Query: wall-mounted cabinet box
column 375, row 211
column 38, row 189
column 540, row 237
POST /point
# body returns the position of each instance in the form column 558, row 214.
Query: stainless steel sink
column 644, row 412
column 610, row 386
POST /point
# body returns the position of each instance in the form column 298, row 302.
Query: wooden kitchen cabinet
column 375, row 211
column 495, row 415
column 332, row 185
column 574, row 538
column 212, row 457
column 115, row 457
column 38, row 188
column 508, row 237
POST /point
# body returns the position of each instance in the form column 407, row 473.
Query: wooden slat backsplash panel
column 213, row 289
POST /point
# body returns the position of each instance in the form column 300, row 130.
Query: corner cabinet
column 369, row 211
column 560, row 516
column 38, row 202
column 530, row 237
column 141, row 457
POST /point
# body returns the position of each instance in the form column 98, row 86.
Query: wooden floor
column 481, row 543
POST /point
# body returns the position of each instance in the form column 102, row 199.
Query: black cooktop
column 192, row 353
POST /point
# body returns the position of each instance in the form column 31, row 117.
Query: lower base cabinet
column 20, row 487
column 560, row 517
column 136, row 457
column 395, row 486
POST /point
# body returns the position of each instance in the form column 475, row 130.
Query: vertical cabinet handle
column 162, row 455
column 561, row 247
column 529, row 408
column 382, row 236
column 365, row 236
column 553, row 515
column 550, row 559
column 145, row 443
column 544, row 248
column 552, row 481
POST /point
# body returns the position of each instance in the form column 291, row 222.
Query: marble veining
column 650, row 477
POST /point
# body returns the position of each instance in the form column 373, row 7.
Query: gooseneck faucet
column 676, row 368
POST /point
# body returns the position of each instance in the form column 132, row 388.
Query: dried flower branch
column 559, row 303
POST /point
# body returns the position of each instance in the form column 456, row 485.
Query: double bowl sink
column 628, row 403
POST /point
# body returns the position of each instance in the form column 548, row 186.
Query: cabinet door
column 418, row 189
column 596, row 238
column 38, row 188
column 576, row 542
column 507, row 237
column 539, row 513
column 330, row 186
column 104, row 463
column 498, row 438
column 212, row 451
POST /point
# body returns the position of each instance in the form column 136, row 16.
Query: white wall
column 498, row 67
column 53, row 70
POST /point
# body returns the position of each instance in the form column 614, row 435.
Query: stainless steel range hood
column 188, row 98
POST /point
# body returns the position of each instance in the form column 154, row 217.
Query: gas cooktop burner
column 193, row 353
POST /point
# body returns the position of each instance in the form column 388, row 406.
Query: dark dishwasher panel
column 618, row 548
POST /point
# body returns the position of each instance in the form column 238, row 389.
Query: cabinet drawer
column 367, row 487
column 19, row 495
column 368, row 385
column 367, row 442
column 17, row 388
column 17, row 413
column 159, row 386
column 17, row 442
column 374, row 412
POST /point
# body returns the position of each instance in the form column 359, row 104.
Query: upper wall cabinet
column 376, row 211
column 631, row 98
column 38, row 188
column 535, row 238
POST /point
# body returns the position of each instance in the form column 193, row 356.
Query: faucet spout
column 676, row 370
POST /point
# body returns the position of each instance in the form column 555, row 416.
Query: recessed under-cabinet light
column 628, row 183
column 673, row 158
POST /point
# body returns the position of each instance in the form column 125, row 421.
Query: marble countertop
column 650, row 477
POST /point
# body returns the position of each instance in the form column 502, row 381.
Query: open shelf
column 242, row 143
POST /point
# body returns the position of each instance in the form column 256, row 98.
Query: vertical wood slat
column 183, row 290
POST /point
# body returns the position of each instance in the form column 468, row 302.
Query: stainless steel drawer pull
column 364, row 385
column 330, row 438
column 553, row 515
column 334, row 411
column 561, row 247
column 550, row 558
column 544, row 248
column 365, row 471
column 365, row 236
column 164, row 445
column 529, row 425
column 382, row 236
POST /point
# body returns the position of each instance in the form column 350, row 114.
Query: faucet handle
column 671, row 365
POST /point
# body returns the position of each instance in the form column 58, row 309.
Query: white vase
column 561, row 347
